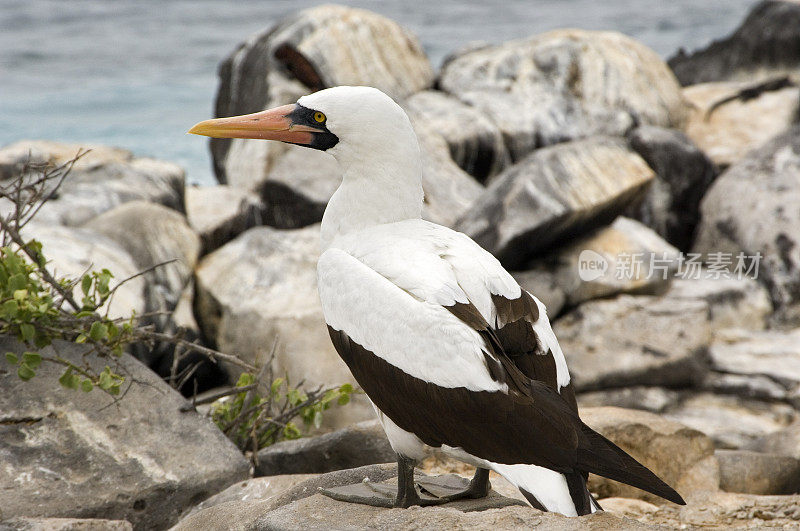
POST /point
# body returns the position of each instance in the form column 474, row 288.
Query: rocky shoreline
column 650, row 205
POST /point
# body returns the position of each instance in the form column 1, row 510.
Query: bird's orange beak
column 272, row 124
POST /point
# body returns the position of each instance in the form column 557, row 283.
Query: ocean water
column 138, row 73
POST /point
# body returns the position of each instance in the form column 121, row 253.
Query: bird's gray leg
column 406, row 489
column 479, row 486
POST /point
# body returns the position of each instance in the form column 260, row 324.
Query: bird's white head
column 369, row 135
column 350, row 123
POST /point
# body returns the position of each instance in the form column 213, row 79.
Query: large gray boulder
column 731, row 421
column 101, row 180
column 66, row 453
column 773, row 355
column 683, row 174
column 681, row 456
column 261, row 288
column 727, row 127
column 758, row 473
column 635, row 340
column 765, row 44
column 785, row 441
column 220, row 213
column 747, row 211
column 563, row 85
column 635, row 259
column 475, row 142
column 153, row 234
column 320, row 47
column 72, row 252
column 555, row 193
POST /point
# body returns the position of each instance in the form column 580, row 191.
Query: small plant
column 254, row 420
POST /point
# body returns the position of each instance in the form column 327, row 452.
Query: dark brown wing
column 512, row 336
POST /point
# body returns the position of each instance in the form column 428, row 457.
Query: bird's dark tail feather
column 598, row 455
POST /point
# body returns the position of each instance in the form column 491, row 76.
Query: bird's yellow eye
column 319, row 117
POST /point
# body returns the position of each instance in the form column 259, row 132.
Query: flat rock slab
column 364, row 443
column 220, row 213
column 732, row 129
column 64, row 524
column 321, row 513
column 71, row 454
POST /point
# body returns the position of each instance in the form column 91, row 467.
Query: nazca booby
column 451, row 351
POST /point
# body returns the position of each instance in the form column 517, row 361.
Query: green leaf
column 318, row 419
column 32, row 359
column 25, row 372
column 114, row 389
column 21, row 295
column 276, row 385
column 86, row 386
column 86, row 284
column 98, row 331
column 69, row 380
column 343, row 400
column 81, row 338
column 10, row 309
column 106, row 381
column 12, row 358
column 26, row 331
column 18, row 281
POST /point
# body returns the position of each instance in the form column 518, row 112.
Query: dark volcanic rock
column 563, row 85
column 555, row 193
column 72, row 454
column 751, row 208
column 767, row 43
column 758, row 473
column 683, row 174
column 361, row 444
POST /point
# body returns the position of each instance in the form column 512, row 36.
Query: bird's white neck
column 377, row 188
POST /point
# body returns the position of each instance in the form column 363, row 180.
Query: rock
column 734, row 128
column 321, row 513
column 320, row 47
column 555, row 193
column 14, row 157
column 361, row 444
column 681, row 456
column 153, row 234
column 683, row 174
column 628, row 507
column 261, row 288
column 758, row 473
column 449, row 190
column 253, row 489
column 785, row 441
column 746, row 211
column 773, row 354
column 766, row 44
column 746, row 386
column 542, row 284
column 732, row 302
column 475, row 143
column 732, row 422
column 652, row 399
column 82, row 455
column 624, row 257
column 72, row 252
column 64, row 524
column 103, row 181
column 742, row 511
column 220, row 213
column 564, row 85
column 631, row 340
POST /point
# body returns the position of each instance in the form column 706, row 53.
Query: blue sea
column 138, row 73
